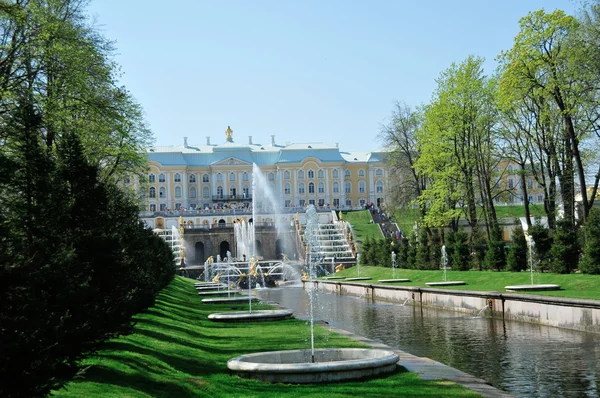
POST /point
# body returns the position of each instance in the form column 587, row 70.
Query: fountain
column 263, row 198
column 358, row 277
column 313, row 365
column 531, row 260
column 393, row 280
column 444, row 264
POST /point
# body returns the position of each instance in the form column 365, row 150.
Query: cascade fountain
column 313, row 365
column 444, row 264
column 394, row 280
column 262, row 199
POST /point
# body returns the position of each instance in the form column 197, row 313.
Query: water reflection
column 524, row 359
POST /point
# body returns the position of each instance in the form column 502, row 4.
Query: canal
column 527, row 360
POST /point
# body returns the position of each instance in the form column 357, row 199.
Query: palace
column 208, row 177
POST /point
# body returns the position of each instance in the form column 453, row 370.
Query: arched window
column 162, row 192
column 151, row 178
column 336, row 187
column 287, row 188
column 192, row 192
column 311, row 174
column 271, row 176
column 219, row 177
column 348, row 187
column 192, row 177
column 320, row 173
column 347, row 173
column 205, row 178
column 286, row 175
column 379, row 186
column 361, row 173
column 301, row 174
column 161, row 178
column 379, row 172
column 245, row 176
column 321, row 187
column 231, row 176
column 362, row 187
column 335, row 173
column 178, row 192
column 205, row 192
column 510, row 168
column 245, row 192
column 301, row 188
column 220, row 192
column 152, row 192
column 177, row 177
column 311, row 187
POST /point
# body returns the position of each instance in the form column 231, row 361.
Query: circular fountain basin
column 332, row 364
column 218, row 292
column 229, row 300
column 216, row 287
column 531, row 288
column 207, row 283
column 393, row 280
column 448, row 283
column 333, row 277
column 362, row 278
column 254, row 316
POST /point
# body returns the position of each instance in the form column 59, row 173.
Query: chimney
column 272, row 140
column 208, row 140
column 250, row 139
column 185, row 142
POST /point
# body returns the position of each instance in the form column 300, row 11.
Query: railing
column 241, row 197
column 244, row 210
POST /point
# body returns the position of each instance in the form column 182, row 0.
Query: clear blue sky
column 306, row 71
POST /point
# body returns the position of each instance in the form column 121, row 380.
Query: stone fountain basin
column 215, row 287
column 332, row 364
column 361, row 278
column 229, row 300
column 247, row 316
column 532, row 288
column 393, row 280
column 448, row 283
column 222, row 292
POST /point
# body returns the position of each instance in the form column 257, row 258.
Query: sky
column 305, row 70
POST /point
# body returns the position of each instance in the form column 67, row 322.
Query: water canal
column 524, row 359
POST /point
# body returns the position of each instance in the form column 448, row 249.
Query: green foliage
column 564, row 253
column 460, row 253
column 542, row 244
column 435, row 250
column 517, row 254
column 411, row 251
column 422, row 256
column 402, row 259
column 478, row 249
column 590, row 264
column 495, row 257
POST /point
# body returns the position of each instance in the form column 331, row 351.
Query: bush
column 590, row 263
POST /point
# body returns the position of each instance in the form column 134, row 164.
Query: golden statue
column 228, row 134
column 304, row 275
column 340, row 215
column 217, row 278
column 339, row 267
column 181, row 225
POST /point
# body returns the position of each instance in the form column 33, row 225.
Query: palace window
column 511, row 183
column 510, row 168
column 177, row 177
column 287, row 188
column 321, row 202
column 311, row 174
column 311, row 202
column 321, row 187
column 245, row 176
column 219, row 177
column 178, row 192
column 245, row 192
column 336, row 187
column 192, row 177
column 162, row 192
column 302, row 202
column 301, row 188
column 362, row 187
column 362, row 202
column 220, row 192
column 379, row 187
column 348, row 187
column 540, row 198
column 349, row 202
column 288, row 203
column 271, row 176
column 286, row 175
column 205, row 192
column 162, row 178
column 529, row 183
column 347, row 173
column 320, row 174
column 177, row 206
column 152, row 207
column 192, row 192
column 152, row 192
column 311, row 187
column 361, row 173
column 300, row 174
column 151, row 178
column 231, row 176
column 530, row 198
column 336, row 202
column 378, row 172
column 205, row 178
column 163, row 206
column 335, row 173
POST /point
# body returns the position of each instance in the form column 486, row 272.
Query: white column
column 327, row 187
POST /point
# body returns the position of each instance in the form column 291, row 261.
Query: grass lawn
column 519, row 211
column 361, row 226
column 175, row 351
column 572, row 285
column 405, row 218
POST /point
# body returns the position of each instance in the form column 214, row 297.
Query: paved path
column 429, row 369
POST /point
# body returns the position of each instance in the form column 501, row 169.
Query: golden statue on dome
column 228, row 134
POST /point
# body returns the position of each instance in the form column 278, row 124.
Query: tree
column 495, row 257
column 517, row 254
column 564, row 253
column 590, row 264
column 460, row 252
column 423, row 256
column 542, row 242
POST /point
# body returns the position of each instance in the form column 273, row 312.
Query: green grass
column 405, row 218
column 361, row 226
column 519, row 211
column 572, row 285
column 175, row 351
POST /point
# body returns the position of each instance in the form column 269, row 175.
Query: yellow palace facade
column 206, row 177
